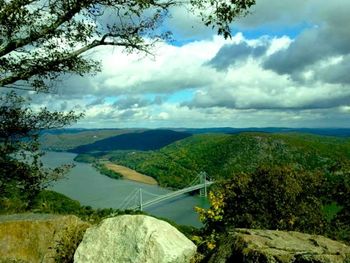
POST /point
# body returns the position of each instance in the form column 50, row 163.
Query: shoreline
column 130, row 174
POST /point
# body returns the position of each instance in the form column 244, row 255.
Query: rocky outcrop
column 34, row 237
column 134, row 239
column 268, row 246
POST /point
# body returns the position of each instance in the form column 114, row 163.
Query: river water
column 85, row 184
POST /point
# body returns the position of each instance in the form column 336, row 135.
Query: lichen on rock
column 34, row 237
column 272, row 246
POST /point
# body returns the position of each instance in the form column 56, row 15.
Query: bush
column 66, row 246
column 283, row 198
column 53, row 202
column 107, row 172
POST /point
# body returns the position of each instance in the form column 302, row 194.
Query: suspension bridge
column 137, row 196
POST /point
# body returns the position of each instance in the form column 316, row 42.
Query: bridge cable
column 193, row 181
column 129, row 199
column 146, row 192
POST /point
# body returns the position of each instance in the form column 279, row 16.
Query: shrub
column 66, row 246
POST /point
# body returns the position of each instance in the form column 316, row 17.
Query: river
column 89, row 187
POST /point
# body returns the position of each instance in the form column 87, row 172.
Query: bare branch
column 50, row 65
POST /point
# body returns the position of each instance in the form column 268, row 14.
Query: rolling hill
column 223, row 155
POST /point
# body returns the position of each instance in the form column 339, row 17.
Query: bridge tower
column 203, row 180
column 140, row 199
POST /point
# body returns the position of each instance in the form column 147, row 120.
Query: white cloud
column 278, row 44
column 244, row 94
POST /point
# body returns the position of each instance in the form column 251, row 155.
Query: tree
column 274, row 197
column 43, row 39
column 22, row 175
column 337, row 194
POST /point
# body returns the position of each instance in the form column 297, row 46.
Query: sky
column 286, row 65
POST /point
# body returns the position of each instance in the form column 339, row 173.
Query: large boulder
column 35, row 237
column 134, row 239
column 268, row 246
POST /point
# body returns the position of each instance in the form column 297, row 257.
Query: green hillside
column 222, row 155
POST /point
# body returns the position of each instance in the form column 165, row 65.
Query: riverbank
column 130, row 174
column 85, row 184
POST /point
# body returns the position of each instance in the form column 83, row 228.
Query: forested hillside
column 223, row 155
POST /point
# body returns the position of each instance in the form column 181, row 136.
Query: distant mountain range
column 67, row 139
column 339, row 132
column 143, row 141
column 85, row 140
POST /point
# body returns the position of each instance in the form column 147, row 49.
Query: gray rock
column 269, row 246
column 134, row 239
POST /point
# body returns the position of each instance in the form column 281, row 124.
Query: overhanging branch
column 48, row 30
column 49, row 66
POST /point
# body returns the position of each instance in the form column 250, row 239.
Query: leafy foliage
column 56, row 203
column 220, row 13
column 22, row 175
column 282, row 197
column 105, row 171
column 214, row 214
column 71, row 238
column 338, row 192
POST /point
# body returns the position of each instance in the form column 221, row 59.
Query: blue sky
column 287, row 64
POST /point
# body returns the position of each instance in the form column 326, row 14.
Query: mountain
column 144, row 141
column 223, row 155
column 338, row 132
column 66, row 139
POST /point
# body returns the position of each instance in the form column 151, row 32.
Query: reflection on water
column 89, row 187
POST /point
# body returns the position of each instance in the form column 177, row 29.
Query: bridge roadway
column 173, row 194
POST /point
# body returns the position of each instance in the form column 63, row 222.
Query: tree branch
column 48, row 30
column 41, row 70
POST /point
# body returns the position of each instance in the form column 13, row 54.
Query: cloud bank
column 285, row 66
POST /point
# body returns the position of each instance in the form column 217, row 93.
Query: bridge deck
column 173, row 194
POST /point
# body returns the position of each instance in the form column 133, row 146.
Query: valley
column 224, row 155
column 270, row 166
